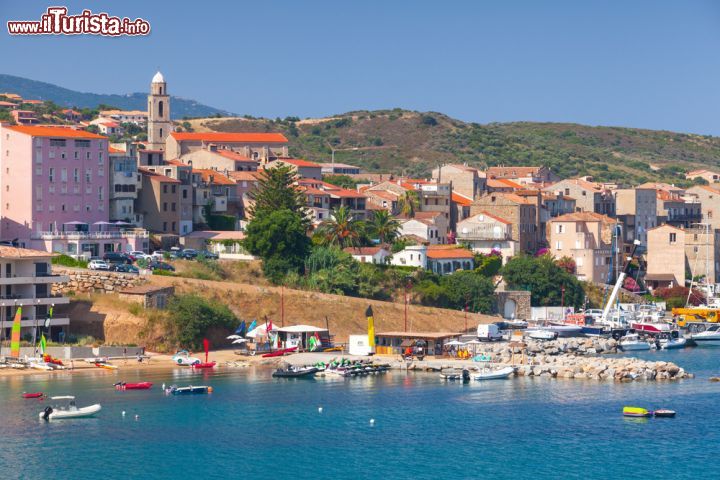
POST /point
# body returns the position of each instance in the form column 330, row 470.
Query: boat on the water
column 33, row 395
column 189, row 390
column 632, row 343
column 710, row 337
column 671, row 341
column 664, row 413
column 488, row 374
column 68, row 409
column 454, row 374
column 636, row 412
column 295, row 372
column 133, row 386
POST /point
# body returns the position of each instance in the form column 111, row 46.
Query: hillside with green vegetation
column 401, row 141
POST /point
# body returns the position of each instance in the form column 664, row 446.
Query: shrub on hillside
column 193, row 316
column 68, row 261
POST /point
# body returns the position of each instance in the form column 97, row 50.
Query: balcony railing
column 92, row 235
column 483, row 234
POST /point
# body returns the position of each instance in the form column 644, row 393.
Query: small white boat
column 632, row 343
column 672, row 343
column 68, row 411
column 710, row 337
column 542, row 334
column 564, row 330
column 40, row 366
column 488, row 374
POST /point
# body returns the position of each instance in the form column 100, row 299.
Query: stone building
column 665, row 257
column 159, row 124
column 589, row 196
column 520, row 211
column 636, row 208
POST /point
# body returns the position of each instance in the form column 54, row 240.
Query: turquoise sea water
column 254, row 426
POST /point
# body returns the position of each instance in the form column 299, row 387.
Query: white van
column 488, row 332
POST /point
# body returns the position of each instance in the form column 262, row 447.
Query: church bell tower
column 159, row 124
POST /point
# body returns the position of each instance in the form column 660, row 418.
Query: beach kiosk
column 395, row 343
column 300, row 336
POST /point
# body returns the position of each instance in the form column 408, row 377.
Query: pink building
column 54, row 193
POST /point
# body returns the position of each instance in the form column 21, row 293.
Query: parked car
column 161, row 266
column 98, row 265
column 124, row 268
column 115, row 257
column 188, row 253
column 159, row 255
column 137, row 255
column 208, row 254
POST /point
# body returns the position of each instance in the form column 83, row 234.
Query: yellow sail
column 371, row 328
column 15, row 334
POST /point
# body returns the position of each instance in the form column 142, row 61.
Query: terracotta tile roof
column 314, row 191
column 345, row 193
column 7, row 104
column 494, row 217
column 584, row 217
column 37, row 131
column 443, row 252
column 384, row 194
column 104, row 113
column 176, row 162
column 517, row 198
column 699, row 172
column 297, row 162
column 461, row 199
column 666, row 226
column 217, row 234
column 244, row 176
column 235, row 156
column 33, row 102
column 503, row 183
column 427, row 215
column 15, row 252
column 660, row 186
column 462, row 167
column 156, row 177
column 235, row 137
column 110, row 124
column 213, row 176
column 363, row 250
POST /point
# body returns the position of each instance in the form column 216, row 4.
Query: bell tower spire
column 159, row 124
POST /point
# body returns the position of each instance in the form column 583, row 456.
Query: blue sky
column 650, row 64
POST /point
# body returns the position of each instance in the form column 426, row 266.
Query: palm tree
column 341, row 229
column 408, row 204
column 383, row 226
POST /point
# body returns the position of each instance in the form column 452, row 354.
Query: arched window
column 160, row 109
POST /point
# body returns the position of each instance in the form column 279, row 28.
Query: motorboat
column 671, row 341
column 651, row 325
column 542, row 334
column 33, row 395
column 564, row 329
column 295, row 372
column 204, row 365
column 68, row 411
column 664, row 413
column 189, row 390
column 454, row 374
column 632, row 343
column 710, row 337
column 516, row 323
column 489, row 374
column 133, row 386
column 183, row 358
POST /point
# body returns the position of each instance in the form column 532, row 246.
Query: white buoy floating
column 163, row 387
column 137, row 417
column 372, row 421
column 123, row 413
column 320, row 409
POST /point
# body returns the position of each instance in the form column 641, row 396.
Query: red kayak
column 33, row 395
column 204, row 365
column 134, row 386
column 280, row 353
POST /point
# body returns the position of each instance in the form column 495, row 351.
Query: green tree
column 280, row 239
column 544, row 279
column 466, row 287
column 383, row 226
column 276, row 190
column 488, row 265
column 194, row 316
column 408, row 204
column 342, row 229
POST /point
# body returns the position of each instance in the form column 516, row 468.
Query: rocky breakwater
column 579, row 358
column 81, row 280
